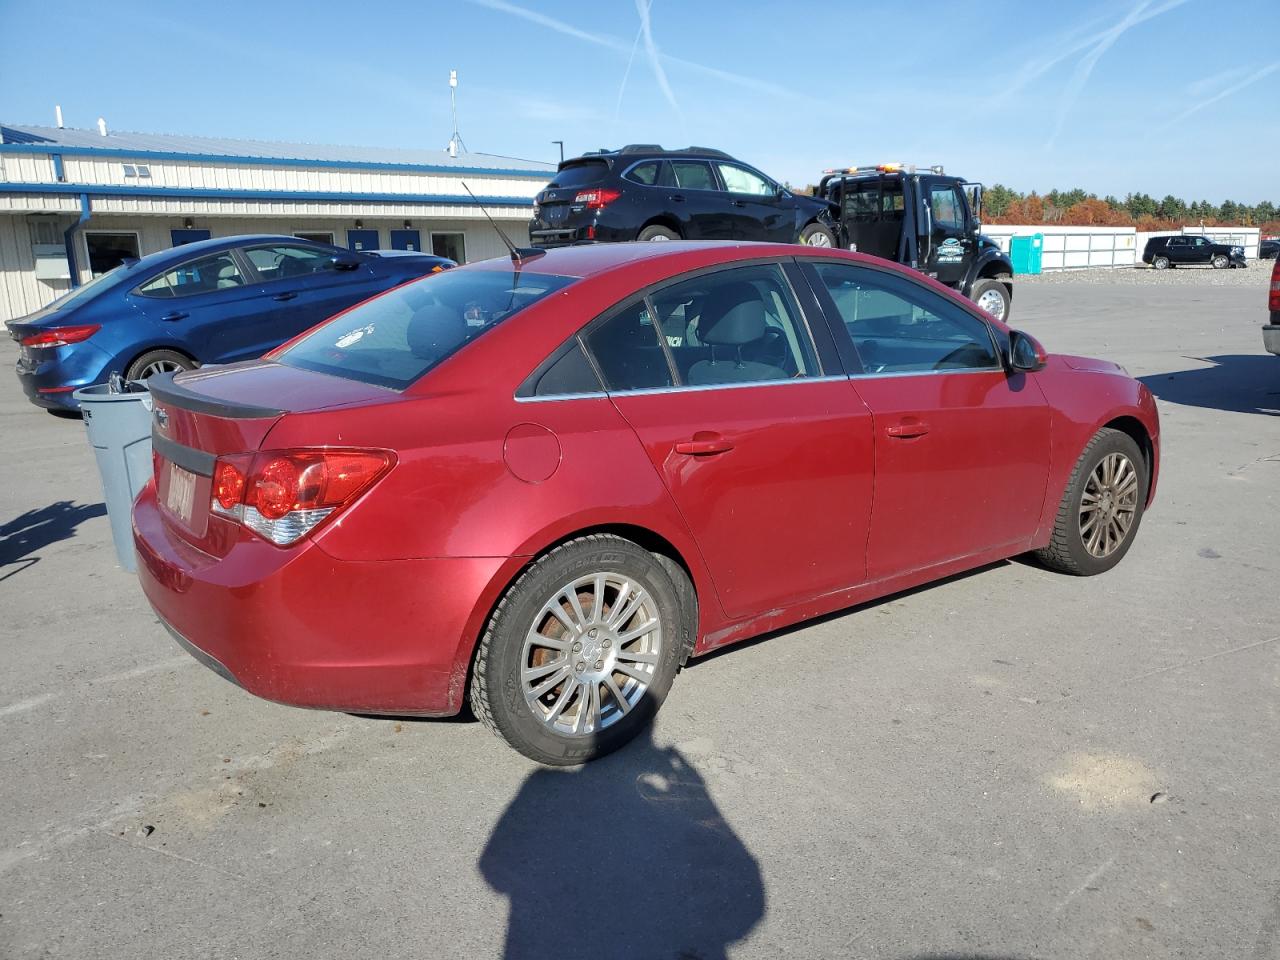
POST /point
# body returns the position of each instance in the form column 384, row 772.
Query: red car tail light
column 282, row 495
column 61, row 336
column 597, row 199
column 1273, row 302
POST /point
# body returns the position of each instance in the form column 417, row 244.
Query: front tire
column 1220, row 262
column 1160, row 263
column 158, row 361
column 1101, row 509
column 581, row 651
column 816, row 235
column 655, row 231
column 992, row 297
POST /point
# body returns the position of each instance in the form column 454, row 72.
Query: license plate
column 182, row 491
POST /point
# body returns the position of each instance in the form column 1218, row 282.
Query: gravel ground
column 1255, row 275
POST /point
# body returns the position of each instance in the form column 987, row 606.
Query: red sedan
column 544, row 484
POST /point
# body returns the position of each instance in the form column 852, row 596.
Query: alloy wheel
column 1108, row 505
column 160, row 366
column 819, row 238
column 590, row 654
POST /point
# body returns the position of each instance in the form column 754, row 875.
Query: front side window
column 899, row 326
column 282, row 260
column 947, row 209
column 206, row 275
column 394, row 339
column 693, row 175
column 735, row 326
column 741, row 180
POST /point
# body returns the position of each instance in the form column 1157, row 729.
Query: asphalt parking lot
column 1009, row 764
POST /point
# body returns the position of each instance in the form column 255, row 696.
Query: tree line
column 1000, row 204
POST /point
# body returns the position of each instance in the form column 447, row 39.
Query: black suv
column 643, row 192
column 1177, row 251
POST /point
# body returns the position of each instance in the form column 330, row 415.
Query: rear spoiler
column 164, row 389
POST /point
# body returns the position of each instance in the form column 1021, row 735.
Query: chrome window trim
column 925, row 373
column 556, row 397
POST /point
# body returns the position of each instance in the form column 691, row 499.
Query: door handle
column 738, row 203
column 704, row 444
column 284, row 296
column 907, row 429
column 677, row 197
column 175, row 315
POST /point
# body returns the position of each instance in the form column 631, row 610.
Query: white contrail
column 1037, row 67
column 617, row 108
column 1084, row 68
column 622, row 47
column 655, row 58
column 1234, row 88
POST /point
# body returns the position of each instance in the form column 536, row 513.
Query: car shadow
column 1237, row 383
column 32, row 531
column 626, row 857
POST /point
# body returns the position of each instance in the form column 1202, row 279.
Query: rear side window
column 646, row 173
column 582, row 174
column 206, row 275
column 627, row 351
column 693, row 175
column 394, row 339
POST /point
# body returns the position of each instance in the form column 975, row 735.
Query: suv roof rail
column 642, row 148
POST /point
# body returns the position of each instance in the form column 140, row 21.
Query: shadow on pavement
column 35, row 529
column 1239, row 383
column 626, row 857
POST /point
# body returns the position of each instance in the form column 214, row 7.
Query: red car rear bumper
column 300, row 627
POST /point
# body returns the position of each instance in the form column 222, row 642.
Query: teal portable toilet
column 1025, row 253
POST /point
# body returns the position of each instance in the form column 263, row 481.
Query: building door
column 362, row 239
column 179, row 237
column 108, row 250
column 406, row 240
column 449, row 245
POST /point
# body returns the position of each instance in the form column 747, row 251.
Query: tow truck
column 925, row 219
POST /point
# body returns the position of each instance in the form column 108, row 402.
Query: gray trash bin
column 119, row 428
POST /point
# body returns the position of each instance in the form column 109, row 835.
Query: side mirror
column 344, row 261
column 1026, row 355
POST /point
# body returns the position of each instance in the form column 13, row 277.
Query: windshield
column 394, row 339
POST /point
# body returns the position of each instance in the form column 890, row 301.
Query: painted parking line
column 33, row 703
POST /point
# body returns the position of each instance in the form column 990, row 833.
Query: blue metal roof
column 27, row 138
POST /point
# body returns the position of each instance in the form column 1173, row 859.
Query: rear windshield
column 394, row 339
column 581, row 174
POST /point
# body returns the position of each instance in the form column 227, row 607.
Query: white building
column 74, row 202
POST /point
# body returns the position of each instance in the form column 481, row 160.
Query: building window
column 317, row 236
column 449, row 245
column 108, row 250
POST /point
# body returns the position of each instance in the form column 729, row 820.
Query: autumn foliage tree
column 1077, row 208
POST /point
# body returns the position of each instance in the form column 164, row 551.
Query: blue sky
column 1167, row 96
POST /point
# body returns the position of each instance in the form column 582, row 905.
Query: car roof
column 186, row 251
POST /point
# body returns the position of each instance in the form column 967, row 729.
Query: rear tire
column 557, row 675
column 655, row 231
column 992, row 297
column 1220, row 262
column 816, row 235
column 1160, row 263
column 1101, row 509
column 158, row 361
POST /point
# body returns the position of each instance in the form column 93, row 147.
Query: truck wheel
column 991, row 296
column 1160, row 263
column 657, row 232
column 1219, row 262
column 816, row 235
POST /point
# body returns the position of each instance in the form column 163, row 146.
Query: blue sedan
column 215, row 301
